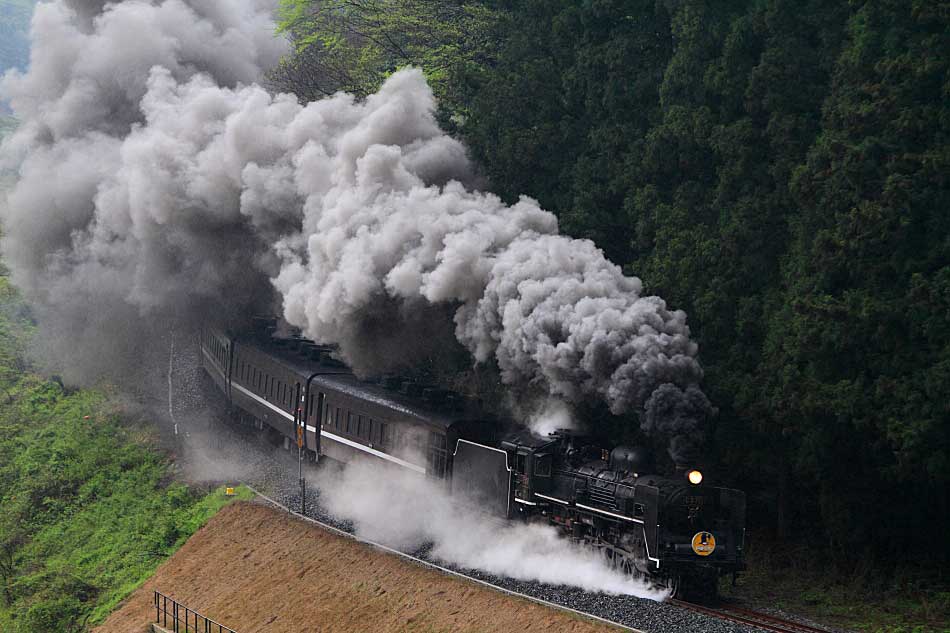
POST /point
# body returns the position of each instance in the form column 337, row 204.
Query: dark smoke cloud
column 678, row 415
column 158, row 182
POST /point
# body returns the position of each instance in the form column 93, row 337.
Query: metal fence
column 182, row 619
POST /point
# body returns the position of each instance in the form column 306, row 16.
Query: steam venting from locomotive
column 158, row 183
column 396, row 509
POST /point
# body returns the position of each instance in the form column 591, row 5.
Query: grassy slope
column 793, row 579
column 88, row 508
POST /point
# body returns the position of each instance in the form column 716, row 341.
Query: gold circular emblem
column 704, row 543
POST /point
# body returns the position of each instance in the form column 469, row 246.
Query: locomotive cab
column 532, row 460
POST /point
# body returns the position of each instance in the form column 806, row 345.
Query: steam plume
column 404, row 512
column 157, row 182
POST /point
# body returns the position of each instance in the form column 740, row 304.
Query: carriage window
column 339, row 418
column 359, row 426
column 542, row 465
column 437, row 454
column 349, row 423
column 385, row 435
column 520, row 463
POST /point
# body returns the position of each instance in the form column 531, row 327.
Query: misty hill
column 14, row 33
column 7, row 125
column 14, row 39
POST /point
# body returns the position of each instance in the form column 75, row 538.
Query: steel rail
column 444, row 570
column 751, row 618
column 771, row 618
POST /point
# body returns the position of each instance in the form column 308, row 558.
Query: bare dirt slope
column 255, row 569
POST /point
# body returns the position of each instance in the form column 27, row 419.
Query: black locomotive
column 678, row 531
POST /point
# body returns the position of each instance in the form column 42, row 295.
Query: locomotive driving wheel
column 672, row 583
column 701, row 587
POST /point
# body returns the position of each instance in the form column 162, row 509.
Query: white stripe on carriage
column 373, row 451
column 267, row 404
column 335, row 438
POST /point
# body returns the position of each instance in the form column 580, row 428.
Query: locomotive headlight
column 695, row 477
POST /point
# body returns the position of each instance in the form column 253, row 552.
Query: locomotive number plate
column 704, row 543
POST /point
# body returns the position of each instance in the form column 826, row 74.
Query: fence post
column 181, row 613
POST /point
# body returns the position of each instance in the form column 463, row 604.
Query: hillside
column 14, row 33
column 779, row 170
column 254, row 569
column 89, row 508
column 7, row 125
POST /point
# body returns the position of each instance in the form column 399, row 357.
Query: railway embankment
column 254, row 569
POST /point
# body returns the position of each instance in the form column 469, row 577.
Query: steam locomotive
column 675, row 530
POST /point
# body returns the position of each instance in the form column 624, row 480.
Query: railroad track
column 429, row 564
column 736, row 615
column 748, row 617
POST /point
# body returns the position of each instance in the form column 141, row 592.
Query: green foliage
column 89, row 509
column 780, row 170
column 353, row 45
column 790, row 577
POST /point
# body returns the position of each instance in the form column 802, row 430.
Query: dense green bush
column 89, row 506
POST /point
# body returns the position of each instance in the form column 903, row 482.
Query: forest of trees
column 778, row 169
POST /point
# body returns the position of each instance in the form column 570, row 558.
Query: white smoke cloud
column 404, row 511
column 158, row 182
column 550, row 416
